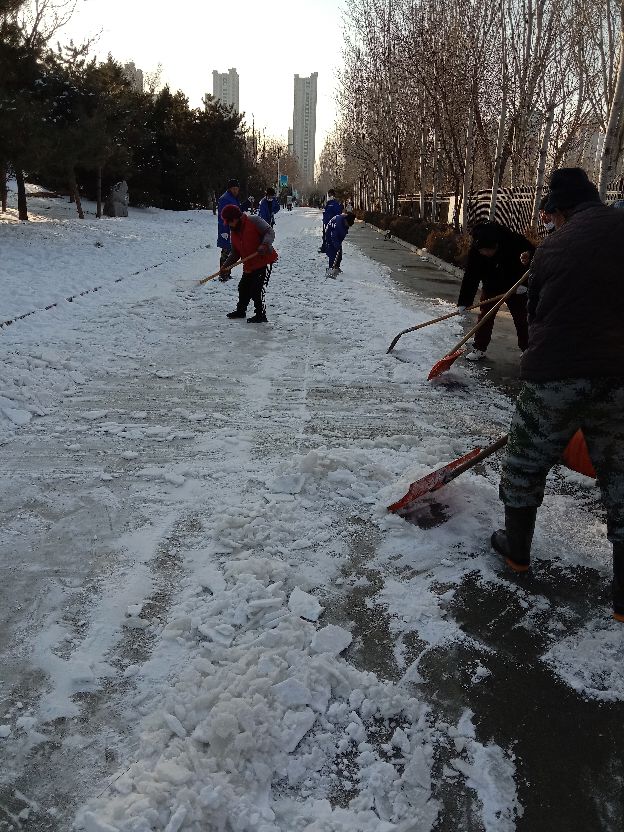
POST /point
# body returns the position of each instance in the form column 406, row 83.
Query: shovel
column 229, row 268
column 451, row 357
column 437, row 479
column 437, row 320
column 575, row 457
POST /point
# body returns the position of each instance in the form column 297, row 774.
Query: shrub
column 377, row 219
column 445, row 244
column 410, row 230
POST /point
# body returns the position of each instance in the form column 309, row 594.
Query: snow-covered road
column 209, row 622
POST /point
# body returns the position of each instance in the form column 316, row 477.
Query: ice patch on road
column 591, row 661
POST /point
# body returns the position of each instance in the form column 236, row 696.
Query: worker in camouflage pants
column 576, row 344
column 547, row 416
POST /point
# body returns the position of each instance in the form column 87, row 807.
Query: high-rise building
column 304, row 125
column 134, row 75
column 225, row 87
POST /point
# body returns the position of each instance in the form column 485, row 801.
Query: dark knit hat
column 231, row 212
column 486, row 235
column 233, row 183
column 568, row 188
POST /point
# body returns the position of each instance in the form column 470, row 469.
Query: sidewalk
column 412, row 273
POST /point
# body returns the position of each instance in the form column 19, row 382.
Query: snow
column 188, row 498
column 331, row 639
column 303, row 604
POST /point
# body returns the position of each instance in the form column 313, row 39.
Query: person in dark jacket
column 337, row 229
column 269, row 206
column 572, row 370
column 332, row 209
column 251, row 240
column 494, row 261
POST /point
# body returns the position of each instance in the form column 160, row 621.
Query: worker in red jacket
column 249, row 236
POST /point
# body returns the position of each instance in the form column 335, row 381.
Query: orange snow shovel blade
column 444, row 364
column 431, row 482
column 576, row 456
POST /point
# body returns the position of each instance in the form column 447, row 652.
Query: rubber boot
column 514, row 541
column 618, row 581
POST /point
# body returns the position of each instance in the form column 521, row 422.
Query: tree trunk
column 541, row 167
column 22, row 206
column 467, row 170
column 456, row 206
column 98, row 190
column 434, row 181
column 421, row 166
column 498, row 163
column 3, row 186
column 612, row 147
column 74, row 193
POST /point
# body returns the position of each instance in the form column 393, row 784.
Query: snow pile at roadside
column 267, row 705
column 270, row 729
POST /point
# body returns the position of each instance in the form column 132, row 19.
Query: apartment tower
column 304, row 125
column 225, row 87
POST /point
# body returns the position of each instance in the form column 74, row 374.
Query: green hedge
column 438, row 238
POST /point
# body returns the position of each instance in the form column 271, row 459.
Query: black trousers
column 252, row 286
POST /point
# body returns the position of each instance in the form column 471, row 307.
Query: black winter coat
column 576, row 299
column 497, row 273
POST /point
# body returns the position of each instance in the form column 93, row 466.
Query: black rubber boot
column 514, row 541
column 236, row 314
column 258, row 319
column 618, row 581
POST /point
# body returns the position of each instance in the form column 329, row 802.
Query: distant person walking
column 337, row 229
column 332, row 209
column 495, row 261
column 250, row 235
column 269, row 206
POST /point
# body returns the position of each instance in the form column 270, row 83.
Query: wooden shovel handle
column 441, row 318
column 491, row 449
column 489, row 314
column 229, row 268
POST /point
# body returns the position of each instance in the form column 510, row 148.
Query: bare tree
column 613, row 147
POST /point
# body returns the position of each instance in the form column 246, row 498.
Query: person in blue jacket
column 335, row 232
column 228, row 197
column 332, row 209
column 269, row 206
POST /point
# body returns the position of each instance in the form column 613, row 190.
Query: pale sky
column 268, row 41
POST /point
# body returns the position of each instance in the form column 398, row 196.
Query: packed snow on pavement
column 192, row 507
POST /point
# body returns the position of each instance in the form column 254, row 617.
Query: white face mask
column 549, row 226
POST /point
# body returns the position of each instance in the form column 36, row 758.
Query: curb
column 422, row 252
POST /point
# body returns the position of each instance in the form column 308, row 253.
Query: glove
column 262, row 248
column 521, row 290
column 461, row 309
column 525, row 258
column 225, row 276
